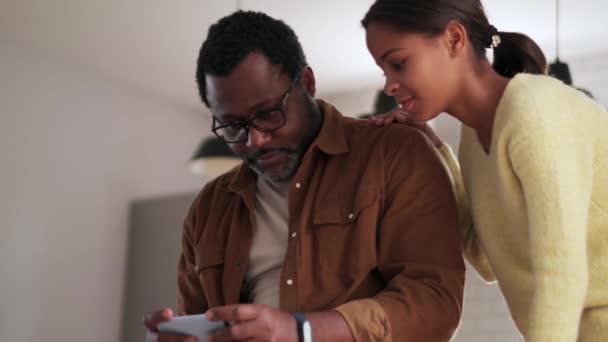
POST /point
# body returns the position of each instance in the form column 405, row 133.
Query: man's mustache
column 261, row 151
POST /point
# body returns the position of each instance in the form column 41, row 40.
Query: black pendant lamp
column 212, row 158
column 559, row 69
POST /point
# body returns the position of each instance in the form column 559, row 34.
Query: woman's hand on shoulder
column 397, row 115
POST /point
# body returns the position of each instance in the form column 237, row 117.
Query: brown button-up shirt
column 373, row 234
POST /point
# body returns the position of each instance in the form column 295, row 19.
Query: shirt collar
column 331, row 139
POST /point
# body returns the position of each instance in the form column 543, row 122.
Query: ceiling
column 152, row 45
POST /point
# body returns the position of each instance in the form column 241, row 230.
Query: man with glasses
column 236, row 131
column 328, row 223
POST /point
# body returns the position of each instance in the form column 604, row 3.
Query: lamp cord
column 557, row 30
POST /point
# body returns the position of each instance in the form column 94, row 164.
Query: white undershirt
column 269, row 243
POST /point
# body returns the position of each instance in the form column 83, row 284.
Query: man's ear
column 308, row 79
column 455, row 38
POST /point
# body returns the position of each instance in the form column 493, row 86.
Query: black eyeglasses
column 267, row 122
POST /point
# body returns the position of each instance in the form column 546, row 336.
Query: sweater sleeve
column 553, row 163
column 470, row 244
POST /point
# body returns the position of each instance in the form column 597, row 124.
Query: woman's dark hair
column 515, row 53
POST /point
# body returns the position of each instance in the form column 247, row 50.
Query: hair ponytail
column 517, row 53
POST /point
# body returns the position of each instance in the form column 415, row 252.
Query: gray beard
column 294, row 157
column 287, row 171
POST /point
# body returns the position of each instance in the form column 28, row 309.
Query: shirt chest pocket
column 344, row 209
column 344, row 231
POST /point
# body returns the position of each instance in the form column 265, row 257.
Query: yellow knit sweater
column 539, row 206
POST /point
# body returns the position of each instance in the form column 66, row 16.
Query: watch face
column 307, row 330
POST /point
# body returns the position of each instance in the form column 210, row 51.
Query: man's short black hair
column 234, row 37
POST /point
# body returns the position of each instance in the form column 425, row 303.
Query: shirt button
column 195, row 268
column 289, row 282
column 351, row 216
column 294, row 234
column 298, row 185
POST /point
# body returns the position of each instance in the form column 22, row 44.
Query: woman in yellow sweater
column 533, row 157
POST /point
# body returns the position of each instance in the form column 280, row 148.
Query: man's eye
column 263, row 116
column 233, row 127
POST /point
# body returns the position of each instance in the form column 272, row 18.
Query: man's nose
column 257, row 139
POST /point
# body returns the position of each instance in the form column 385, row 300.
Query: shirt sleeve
column 419, row 253
column 553, row 162
column 471, row 248
column 366, row 319
column 191, row 298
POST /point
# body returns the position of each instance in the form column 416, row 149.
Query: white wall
column 75, row 149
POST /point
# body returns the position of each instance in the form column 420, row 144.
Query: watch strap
column 300, row 320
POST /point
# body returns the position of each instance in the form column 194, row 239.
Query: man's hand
column 253, row 322
column 399, row 116
column 153, row 319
